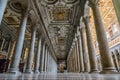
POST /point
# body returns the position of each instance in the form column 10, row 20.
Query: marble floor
column 60, row 76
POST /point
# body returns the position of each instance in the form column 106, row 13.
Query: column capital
column 87, row 19
column 82, row 26
column 94, row 3
column 82, row 29
column 25, row 11
column 77, row 35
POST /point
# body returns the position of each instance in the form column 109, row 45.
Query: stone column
column 2, row 44
column 3, row 4
column 91, row 48
column 12, row 50
column 43, row 55
column 50, row 62
column 116, row 60
column 47, row 62
column 45, row 59
column 40, row 66
column 37, row 56
column 107, row 61
column 74, row 59
column 31, row 52
column 44, row 65
column 84, row 47
column 116, row 4
column 10, row 44
column 80, row 53
column 77, row 55
column 14, row 67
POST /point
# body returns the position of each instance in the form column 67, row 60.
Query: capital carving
column 86, row 19
column 94, row 3
column 82, row 29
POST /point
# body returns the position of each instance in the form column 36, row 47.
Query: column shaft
column 107, row 61
column 37, row 56
column 3, row 4
column 43, row 54
column 47, row 62
column 80, row 53
column 14, row 67
column 2, row 44
column 75, row 58
column 91, row 48
column 78, row 56
column 31, row 52
column 85, row 53
column 116, row 61
column 46, row 59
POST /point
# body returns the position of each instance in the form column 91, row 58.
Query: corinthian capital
column 94, row 2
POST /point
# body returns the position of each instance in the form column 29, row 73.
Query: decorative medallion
column 15, row 6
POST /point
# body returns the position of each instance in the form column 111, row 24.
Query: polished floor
column 60, row 76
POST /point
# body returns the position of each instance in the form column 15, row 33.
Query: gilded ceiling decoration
column 12, row 16
column 59, row 16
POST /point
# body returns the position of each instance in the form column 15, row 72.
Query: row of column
column 86, row 51
column 43, row 55
column 5, row 44
column 39, row 59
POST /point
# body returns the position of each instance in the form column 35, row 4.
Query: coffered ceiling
column 59, row 15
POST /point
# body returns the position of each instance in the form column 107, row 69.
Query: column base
column 85, row 72
column 14, row 71
column 29, row 71
column 94, row 71
column 82, row 71
column 108, row 71
column 42, row 72
column 36, row 72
